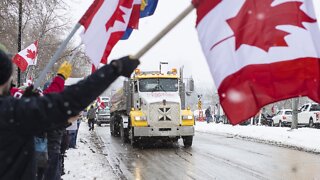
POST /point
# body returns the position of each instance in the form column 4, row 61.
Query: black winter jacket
column 21, row 119
column 54, row 140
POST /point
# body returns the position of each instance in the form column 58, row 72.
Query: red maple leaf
column 118, row 13
column 256, row 22
column 117, row 16
column 31, row 54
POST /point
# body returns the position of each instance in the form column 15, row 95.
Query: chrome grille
column 164, row 115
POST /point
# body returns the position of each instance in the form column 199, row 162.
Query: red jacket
column 57, row 85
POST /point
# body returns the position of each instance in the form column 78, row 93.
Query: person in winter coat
column 91, row 117
column 49, row 163
column 21, row 119
column 54, row 136
column 208, row 114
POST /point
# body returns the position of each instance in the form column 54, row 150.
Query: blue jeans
column 73, row 140
column 53, row 171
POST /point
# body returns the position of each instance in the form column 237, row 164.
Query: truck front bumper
column 164, row 131
column 103, row 120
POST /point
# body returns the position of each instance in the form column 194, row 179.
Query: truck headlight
column 140, row 118
column 189, row 117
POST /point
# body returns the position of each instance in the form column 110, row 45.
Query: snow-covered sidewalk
column 87, row 162
column 306, row 139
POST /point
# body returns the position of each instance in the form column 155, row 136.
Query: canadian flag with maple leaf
column 27, row 57
column 101, row 104
column 105, row 23
column 259, row 51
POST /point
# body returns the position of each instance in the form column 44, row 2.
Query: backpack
column 41, row 151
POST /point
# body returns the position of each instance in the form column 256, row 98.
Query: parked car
column 282, row 118
column 309, row 115
column 103, row 116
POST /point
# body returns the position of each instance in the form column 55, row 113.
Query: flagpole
column 170, row 26
column 19, row 40
column 56, row 56
column 76, row 50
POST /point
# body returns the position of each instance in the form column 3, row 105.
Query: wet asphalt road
column 212, row 156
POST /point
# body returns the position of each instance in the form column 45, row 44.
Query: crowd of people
column 34, row 123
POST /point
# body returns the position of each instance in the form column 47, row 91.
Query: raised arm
column 38, row 113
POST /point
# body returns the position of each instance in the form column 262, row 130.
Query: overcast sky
column 180, row 47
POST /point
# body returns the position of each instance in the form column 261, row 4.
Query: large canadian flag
column 27, row 57
column 105, row 23
column 259, row 51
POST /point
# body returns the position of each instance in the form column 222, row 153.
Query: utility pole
column 19, row 39
column 295, row 103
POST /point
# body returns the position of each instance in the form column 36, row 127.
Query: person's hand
column 65, row 70
column 74, row 118
column 125, row 65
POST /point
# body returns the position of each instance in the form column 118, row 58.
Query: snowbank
column 86, row 162
column 306, row 139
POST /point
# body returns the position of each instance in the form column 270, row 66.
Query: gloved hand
column 125, row 65
column 65, row 70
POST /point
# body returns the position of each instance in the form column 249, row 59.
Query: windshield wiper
column 157, row 88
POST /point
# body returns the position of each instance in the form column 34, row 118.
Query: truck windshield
column 158, row 84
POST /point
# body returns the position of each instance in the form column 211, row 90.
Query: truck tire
column 310, row 122
column 111, row 127
column 187, row 141
column 124, row 134
column 114, row 126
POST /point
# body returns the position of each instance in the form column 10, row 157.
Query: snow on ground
column 306, row 139
column 87, row 162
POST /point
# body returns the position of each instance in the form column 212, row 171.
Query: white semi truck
column 151, row 105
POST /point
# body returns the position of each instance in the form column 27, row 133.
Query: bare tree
column 45, row 21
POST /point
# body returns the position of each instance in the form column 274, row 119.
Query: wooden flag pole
column 170, row 26
column 56, row 56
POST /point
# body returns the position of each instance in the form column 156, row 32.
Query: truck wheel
column 311, row 122
column 114, row 126
column 99, row 124
column 111, row 127
column 111, row 131
column 124, row 134
column 187, row 141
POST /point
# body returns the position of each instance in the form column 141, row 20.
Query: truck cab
column 156, row 110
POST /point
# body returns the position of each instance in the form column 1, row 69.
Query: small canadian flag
column 27, row 57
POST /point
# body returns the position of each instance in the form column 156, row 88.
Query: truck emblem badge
column 164, row 102
column 164, row 114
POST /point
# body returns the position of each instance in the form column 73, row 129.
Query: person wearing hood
column 21, row 119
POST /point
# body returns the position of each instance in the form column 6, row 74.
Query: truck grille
column 164, row 115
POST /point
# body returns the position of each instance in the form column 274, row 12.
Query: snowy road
column 211, row 157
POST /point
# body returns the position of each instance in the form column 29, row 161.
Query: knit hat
column 5, row 67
